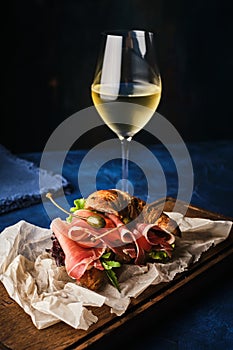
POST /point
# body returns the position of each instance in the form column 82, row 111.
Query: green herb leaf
column 111, row 263
column 113, row 278
column 106, row 255
column 161, row 255
column 69, row 219
column 108, row 265
column 79, row 204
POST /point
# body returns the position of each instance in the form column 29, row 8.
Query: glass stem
column 125, row 163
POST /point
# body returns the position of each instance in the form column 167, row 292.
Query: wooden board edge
column 194, row 207
column 174, row 285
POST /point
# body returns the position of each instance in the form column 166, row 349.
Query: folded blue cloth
column 212, row 168
column 19, row 182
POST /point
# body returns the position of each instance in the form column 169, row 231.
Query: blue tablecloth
column 200, row 316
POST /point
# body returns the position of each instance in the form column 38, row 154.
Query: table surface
column 200, row 314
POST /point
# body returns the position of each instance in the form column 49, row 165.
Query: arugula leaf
column 106, row 255
column 113, row 263
column 160, row 255
column 69, row 219
column 108, row 266
column 79, row 204
column 113, row 278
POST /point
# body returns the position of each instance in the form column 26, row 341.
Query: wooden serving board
column 17, row 331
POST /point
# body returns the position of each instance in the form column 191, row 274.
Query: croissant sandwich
column 106, row 230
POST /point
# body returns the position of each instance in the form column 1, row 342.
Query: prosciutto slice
column 77, row 258
column 83, row 233
column 125, row 233
column 81, row 252
column 154, row 234
column 131, row 243
column 153, row 237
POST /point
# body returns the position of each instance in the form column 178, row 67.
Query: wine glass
column 126, row 88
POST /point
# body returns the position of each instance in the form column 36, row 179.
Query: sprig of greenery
column 113, row 278
column 108, row 266
column 160, row 255
column 78, row 204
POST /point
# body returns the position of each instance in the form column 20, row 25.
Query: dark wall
column 50, row 49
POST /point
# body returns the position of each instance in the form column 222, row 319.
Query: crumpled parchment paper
column 49, row 296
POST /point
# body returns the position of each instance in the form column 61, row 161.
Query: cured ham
column 81, row 251
column 81, row 232
column 154, row 234
column 77, row 258
column 125, row 233
column 137, row 242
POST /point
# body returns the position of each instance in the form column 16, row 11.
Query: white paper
column 49, row 296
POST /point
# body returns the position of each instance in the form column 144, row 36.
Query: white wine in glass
column 126, row 89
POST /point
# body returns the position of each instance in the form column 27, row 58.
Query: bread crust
column 115, row 202
column 93, row 279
